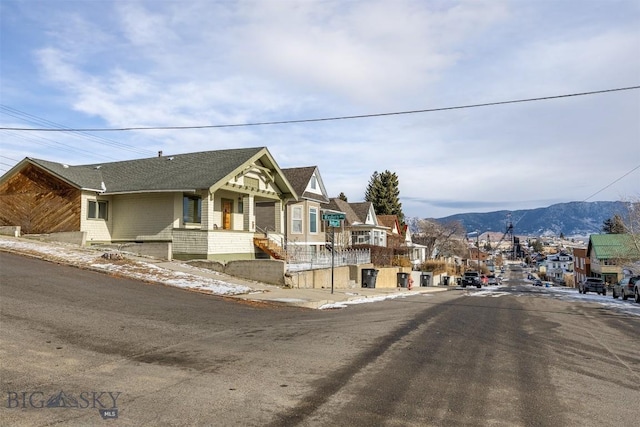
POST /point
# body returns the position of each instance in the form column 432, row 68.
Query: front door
column 227, row 206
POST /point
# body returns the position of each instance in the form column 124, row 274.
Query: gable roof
column 390, row 221
column 340, row 205
column 362, row 209
column 180, row 172
column 299, row 179
column 611, row 246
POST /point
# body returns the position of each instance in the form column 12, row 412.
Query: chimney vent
column 160, row 153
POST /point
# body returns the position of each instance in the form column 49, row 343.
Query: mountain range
column 569, row 219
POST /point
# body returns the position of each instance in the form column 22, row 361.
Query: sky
column 96, row 64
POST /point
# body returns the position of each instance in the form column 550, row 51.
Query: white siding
column 190, row 242
column 229, row 242
column 98, row 230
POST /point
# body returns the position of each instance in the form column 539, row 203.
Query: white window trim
column 97, row 210
column 296, row 216
column 316, row 223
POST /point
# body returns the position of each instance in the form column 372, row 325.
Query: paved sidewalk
column 300, row 297
column 179, row 274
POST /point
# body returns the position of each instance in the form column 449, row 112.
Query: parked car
column 636, row 291
column 592, row 284
column 537, row 282
column 625, row 287
column 492, row 280
column 471, row 278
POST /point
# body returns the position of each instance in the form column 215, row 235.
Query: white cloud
column 148, row 63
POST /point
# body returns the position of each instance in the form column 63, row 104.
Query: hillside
column 570, row 219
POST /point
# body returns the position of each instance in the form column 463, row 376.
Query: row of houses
column 607, row 256
column 221, row 205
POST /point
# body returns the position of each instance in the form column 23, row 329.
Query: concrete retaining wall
column 74, row 237
column 160, row 250
column 261, row 270
column 266, row 271
column 10, row 230
column 273, row 272
column 321, row 278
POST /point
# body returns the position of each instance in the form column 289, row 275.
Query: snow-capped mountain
column 570, row 219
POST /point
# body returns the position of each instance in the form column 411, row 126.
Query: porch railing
column 302, row 258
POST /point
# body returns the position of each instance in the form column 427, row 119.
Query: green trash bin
column 425, row 279
column 369, row 276
column 403, row 280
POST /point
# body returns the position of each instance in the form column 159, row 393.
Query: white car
column 625, row 287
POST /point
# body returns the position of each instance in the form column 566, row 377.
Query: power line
column 609, row 185
column 30, row 118
column 64, row 147
column 9, row 158
column 326, row 119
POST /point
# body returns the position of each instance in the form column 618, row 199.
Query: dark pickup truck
column 592, row 284
column 471, row 278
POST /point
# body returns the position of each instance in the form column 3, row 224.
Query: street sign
column 333, row 216
column 334, row 223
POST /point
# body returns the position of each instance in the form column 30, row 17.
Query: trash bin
column 445, row 280
column 459, row 281
column 425, row 279
column 369, row 277
column 403, row 280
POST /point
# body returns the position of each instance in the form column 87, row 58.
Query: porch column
column 248, row 213
column 278, row 217
column 206, row 216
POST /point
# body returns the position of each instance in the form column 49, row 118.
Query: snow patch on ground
column 365, row 300
column 127, row 268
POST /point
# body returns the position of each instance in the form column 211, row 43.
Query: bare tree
column 440, row 239
column 630, row 258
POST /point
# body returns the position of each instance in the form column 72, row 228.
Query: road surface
column 83, row 348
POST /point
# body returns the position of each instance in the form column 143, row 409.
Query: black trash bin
column 403, row 280
column 459, row 281
column 369, row 277
column 425, row 279
column 445, row 280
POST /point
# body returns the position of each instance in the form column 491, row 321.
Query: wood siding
column 39, row 202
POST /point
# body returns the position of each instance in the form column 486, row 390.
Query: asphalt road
column 95, row 347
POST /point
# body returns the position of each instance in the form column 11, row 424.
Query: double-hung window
column 296, row 220
column 191, row 209
column 98, row 209
column 313, row 220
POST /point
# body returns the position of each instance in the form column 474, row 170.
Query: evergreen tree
column 384, row 193
column 613, row 225
column 342, row 197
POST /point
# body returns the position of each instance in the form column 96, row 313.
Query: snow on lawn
column 378, row 298
column 91, row 258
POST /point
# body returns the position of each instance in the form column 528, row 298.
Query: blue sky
column 116, row 64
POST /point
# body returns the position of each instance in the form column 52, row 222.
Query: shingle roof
column 299, row 179
column 611, row 246
column 81, row 177
column 342, row 206
column 390, row 221
column 362, row 210
column 167, row 173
